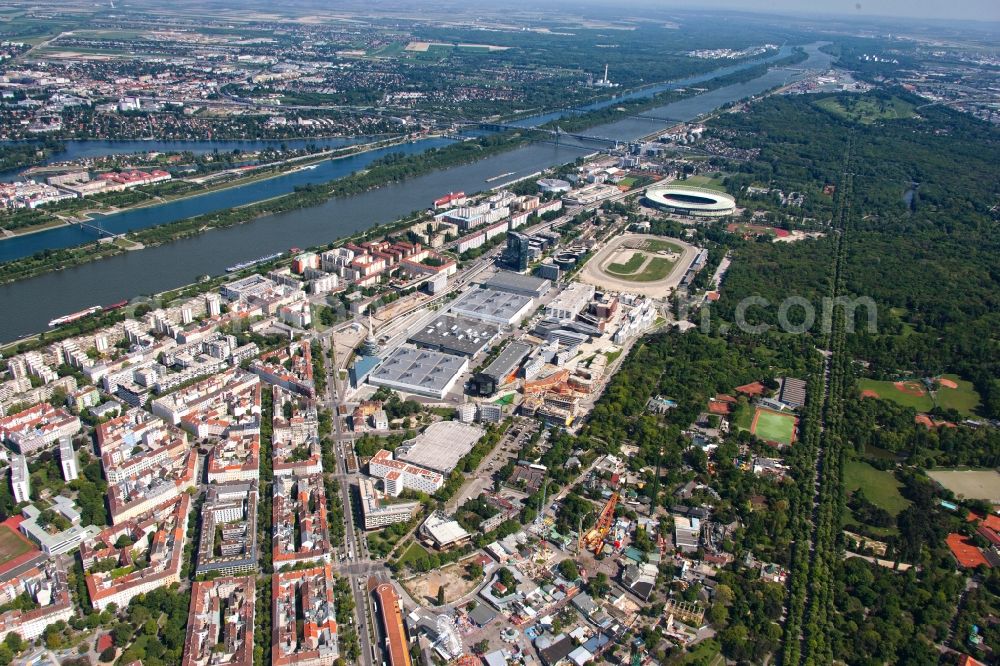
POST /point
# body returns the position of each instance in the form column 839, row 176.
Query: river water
column 142, row 218
column 28, row 305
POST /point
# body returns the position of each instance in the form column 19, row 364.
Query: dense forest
column 925, row 244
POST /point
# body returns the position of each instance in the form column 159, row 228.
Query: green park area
column 413, row 553
column 774, row 426
column 880, row 488
column 742, row 416
column 866, row 110
column 706, row 653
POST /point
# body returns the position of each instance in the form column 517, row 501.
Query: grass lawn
column 964, row 398
column 708, row 182
column 866, row 110
column 774, row 426
column 881, row 488
column 706, row 653
column 628, row 181
column 630, row 266
column 506, row 400
column 657, row 245
column 12, row 545
column 742, row 418
column 888, row 391
column 657, row 269
column 412, row 553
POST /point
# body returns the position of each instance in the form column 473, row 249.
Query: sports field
column 12, row 545
column 772, row 426
column 657, row 245
column 953, row 393
column 881, row 488
column 908, row 394
column 981, row 484
column 756, row 229
column 956, row 393
column 639, row 264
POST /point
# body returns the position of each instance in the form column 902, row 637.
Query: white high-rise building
column 20, row 479
column 213, row 305
column 67, row 456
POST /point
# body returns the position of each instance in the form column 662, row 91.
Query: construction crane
column 594, row 539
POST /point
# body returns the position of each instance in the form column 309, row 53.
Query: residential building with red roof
column 289, row 367
column 304, row 625
column 152, row 558
column 300, row 531
column 37, row 427
column 220, row 627
column 47, row 585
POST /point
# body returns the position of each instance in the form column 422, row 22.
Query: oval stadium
column 694, row 201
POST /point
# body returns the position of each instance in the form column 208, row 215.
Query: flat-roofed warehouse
column 490, row 305
column 456, row 335
column 490, row 378
column 573, row 300
column 441, row 446
column 515, row 283
column 420, row 371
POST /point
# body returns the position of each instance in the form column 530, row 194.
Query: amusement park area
column 574, row 585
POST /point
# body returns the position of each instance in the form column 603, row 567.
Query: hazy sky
column 976, row 10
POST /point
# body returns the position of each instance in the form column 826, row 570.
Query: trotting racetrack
column 639, row 264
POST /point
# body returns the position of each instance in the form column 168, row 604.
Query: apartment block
column 303, row 618
column 150, row 559
column 289, row 367
column 300, row 531
column 220, row 627
column 379, row 512
column 46, row 584
column 228, row 542
column 37, row 427
column 235, row 458
column 397, row 475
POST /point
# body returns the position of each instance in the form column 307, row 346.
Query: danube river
column 28, row 305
